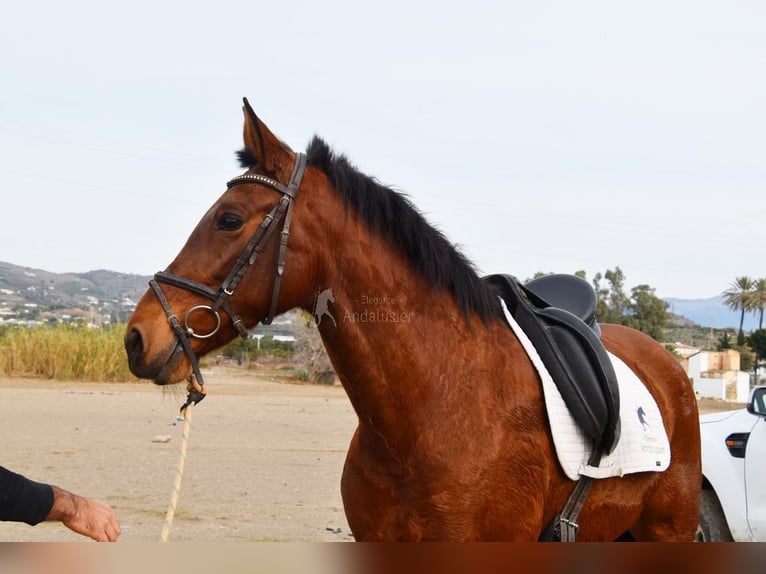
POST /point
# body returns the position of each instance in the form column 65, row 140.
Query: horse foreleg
column 369, row 499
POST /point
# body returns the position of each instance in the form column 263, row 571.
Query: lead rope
column 197, row 392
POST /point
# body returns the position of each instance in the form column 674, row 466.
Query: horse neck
column 396, row 342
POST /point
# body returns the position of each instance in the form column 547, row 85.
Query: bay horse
column 453, row 441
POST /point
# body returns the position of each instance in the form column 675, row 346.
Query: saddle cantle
column 568, row 292
column 557, row 312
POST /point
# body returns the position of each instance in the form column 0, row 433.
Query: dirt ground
column 264, row 459
column 263, row 464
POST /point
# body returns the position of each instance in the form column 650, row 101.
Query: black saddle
column 557, row 313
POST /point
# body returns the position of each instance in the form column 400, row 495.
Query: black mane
column 392, row 215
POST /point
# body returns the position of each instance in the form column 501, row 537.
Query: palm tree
column 759, row 300
column 739, row 297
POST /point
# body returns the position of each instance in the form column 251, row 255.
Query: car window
column 759, row 400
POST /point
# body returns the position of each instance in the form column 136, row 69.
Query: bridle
column 220, row 297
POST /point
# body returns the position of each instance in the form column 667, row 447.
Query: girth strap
column 565, row 526
column 567, row 520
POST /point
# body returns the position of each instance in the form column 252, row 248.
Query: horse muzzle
column 165, row 368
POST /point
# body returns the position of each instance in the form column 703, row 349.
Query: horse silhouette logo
column 322, row 306
column 642, row 419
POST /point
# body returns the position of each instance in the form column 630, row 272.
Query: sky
column 550, row 136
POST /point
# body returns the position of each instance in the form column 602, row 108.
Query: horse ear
column 268, row 150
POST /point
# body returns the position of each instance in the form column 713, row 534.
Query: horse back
column 663, row 376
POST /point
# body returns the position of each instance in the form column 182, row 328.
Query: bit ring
column 190, row 331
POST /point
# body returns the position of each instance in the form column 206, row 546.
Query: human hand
column 85, row 516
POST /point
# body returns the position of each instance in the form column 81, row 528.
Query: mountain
column 710, row 312
column 34, row 295
column 102, row 296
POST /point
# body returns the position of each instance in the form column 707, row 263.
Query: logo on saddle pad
column 642, row 419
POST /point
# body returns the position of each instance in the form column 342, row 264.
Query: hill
column 28, row 294
column 36, row 295
column 710, row 312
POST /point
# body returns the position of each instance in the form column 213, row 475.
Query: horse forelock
column 246, row 158
column 392, row 215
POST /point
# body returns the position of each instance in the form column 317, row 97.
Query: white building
column 716, row 375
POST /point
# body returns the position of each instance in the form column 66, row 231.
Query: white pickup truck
column 734, row 473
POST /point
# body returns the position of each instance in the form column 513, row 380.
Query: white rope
column 187, row 415
column 196, row 393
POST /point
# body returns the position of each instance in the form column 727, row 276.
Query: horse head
column 234, row 270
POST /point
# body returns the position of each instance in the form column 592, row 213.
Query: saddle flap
column 575, row 357
column 589, row 384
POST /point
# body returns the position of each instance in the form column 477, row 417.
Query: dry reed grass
column 64, row 353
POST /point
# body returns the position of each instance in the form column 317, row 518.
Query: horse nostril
column 134, row 344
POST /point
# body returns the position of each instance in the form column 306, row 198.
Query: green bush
column 247, row 349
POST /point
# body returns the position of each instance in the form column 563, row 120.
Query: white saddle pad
column 643, row 444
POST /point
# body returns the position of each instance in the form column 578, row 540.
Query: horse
column 453, row 440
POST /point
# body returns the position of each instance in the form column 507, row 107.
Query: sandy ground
column 264, row 459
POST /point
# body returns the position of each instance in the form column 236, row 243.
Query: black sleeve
column 23, row 500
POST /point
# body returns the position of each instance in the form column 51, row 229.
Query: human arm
column 24, row 500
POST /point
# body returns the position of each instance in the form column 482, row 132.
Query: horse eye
column 229, row 222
